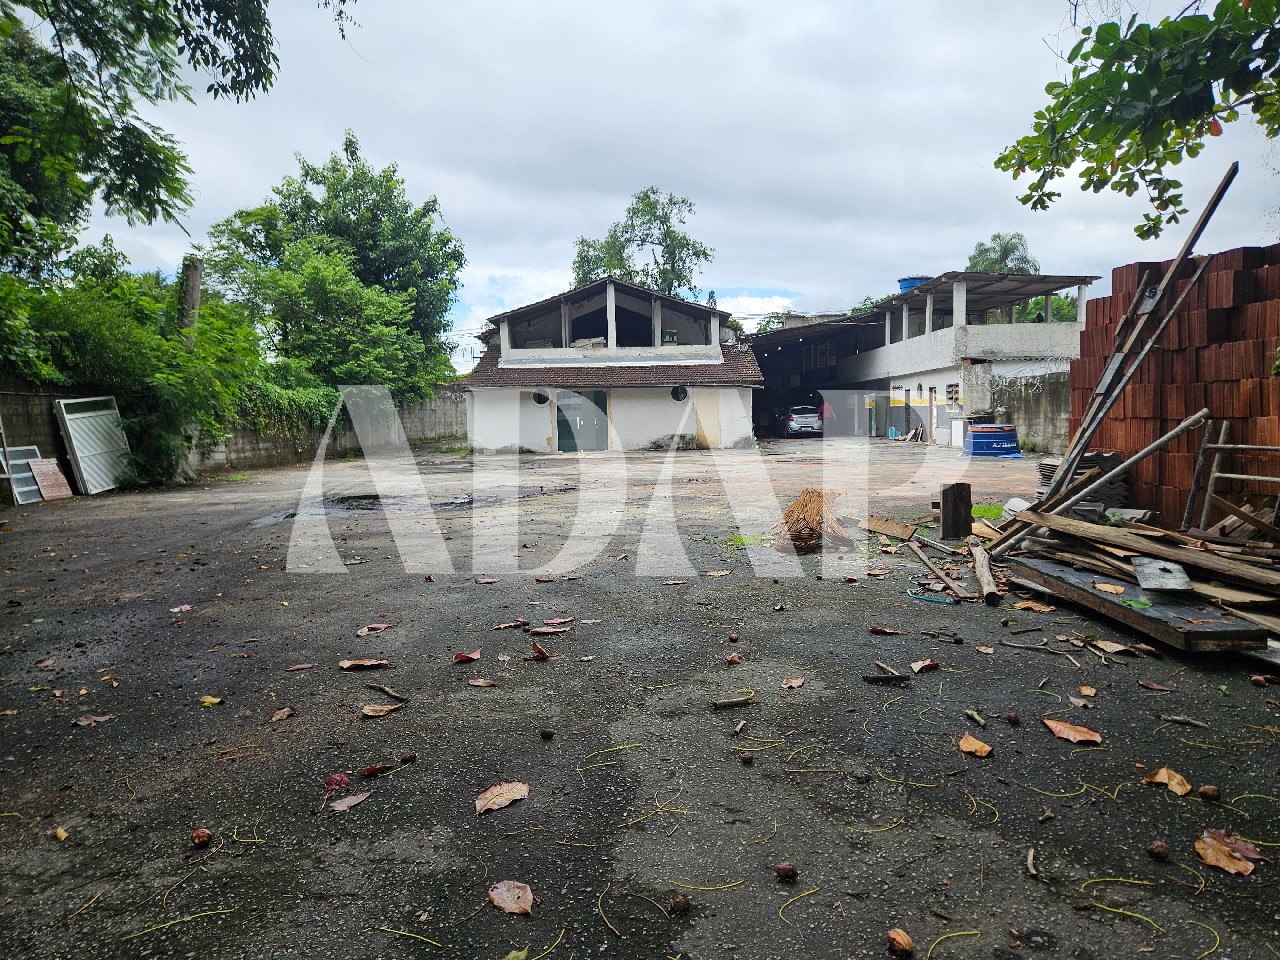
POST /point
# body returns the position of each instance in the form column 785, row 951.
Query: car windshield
column 804, row 411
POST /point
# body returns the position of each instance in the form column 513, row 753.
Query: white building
column 611, row 366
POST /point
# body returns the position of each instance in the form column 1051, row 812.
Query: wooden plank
column 1230, row 595
column 960, row 592
column 986, row 530
column 1252, row 519
column 1115, row 537
column 891, row 528
column 1164, row 575
column 53, row 485
column 957, row 511
column 982, row 569
column 1267, row 621
column 1169, row 621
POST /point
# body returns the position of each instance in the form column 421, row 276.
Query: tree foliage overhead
column 1142, row 97
column 1003, row 253
column 344, row 274
column 646, row 247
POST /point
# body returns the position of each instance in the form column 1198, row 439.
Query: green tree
column 1142, row 97
column 646, row 247
column 1003, row 253
column 347, row 206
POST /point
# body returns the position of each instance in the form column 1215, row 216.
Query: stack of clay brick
column 1217, row 352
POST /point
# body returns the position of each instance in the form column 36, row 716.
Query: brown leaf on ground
column 44, row 663
column 1071, row 731
column 989, row 651
column 481, row 682
column 1220, row 849
column 488, row 580
column 511, row 624
column 298, row 666
column 375, row 771
column 92, row 721
column 547, row 631
column 1152, row 685
column 1088, row 691
column 1035, row 606
column 924, row 666
column 284, row 713
column 733, row 659
column 900, row 942
column 793, row 684
column 373, row 628
column 673, row 583
column 1175, row 781
column 379, row 709
column 718, row 573
column 501, row 795
column 509, row 896
column 1080, row 702
column 346, row 803
column 1112, row 588
column 544, row 579
column 364, row 663
column 471, row 657
column 885, row 631
column 879, row 572
column 539, row 652
column 557, row 621
column 1110, row 646
column 848, row 579
column 208, row 701
column 971, row 744
column 1146, row 648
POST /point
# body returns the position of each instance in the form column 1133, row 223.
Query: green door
column 582, row 422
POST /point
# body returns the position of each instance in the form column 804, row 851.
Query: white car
column 802, row 420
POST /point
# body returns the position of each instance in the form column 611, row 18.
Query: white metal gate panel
column 98, row 447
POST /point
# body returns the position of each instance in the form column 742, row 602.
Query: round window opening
column 679, row 394
column 540, row 398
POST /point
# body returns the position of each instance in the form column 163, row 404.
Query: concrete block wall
column 29, row 420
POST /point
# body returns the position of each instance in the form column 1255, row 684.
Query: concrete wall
column 1040, row 407
column 29, row 420
column 640, row 418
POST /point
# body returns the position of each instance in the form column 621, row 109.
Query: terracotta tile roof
column 739, row 369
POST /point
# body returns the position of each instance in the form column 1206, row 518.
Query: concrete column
column 657, row 322
column 888, row 327
column 928, row 313
column 611, row 314
column 566, row 324
column 504, row 338
column 1080, row 292
column 906, row 322
column 714, row 325
column 959, row 307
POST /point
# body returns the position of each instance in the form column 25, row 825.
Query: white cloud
column 749, row 310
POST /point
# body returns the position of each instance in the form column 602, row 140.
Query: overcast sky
column 830, row 147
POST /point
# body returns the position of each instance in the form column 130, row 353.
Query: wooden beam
column 960, row 592
column 1123, row 539
column 1256, row 522
column 957, row 511
column 982, row 568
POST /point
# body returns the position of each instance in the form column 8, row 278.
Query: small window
column 540, row 398
column 679, row 394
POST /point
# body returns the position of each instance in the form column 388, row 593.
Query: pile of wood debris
column 808, row 520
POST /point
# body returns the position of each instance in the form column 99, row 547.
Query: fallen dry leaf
column 1080, row 702
column 92, row 721
column 481, row 682
column 284, row 713
column 849, row 579
column 900, row 942
column 471, row 657
column 45, row 663
column 1220, row 849
column 673, row 583
column 793, row 684
column 374, row 771
column 924, row 666
column 556, row 621
column 373, row 628
column 971, row 744
column 888, row 631
column 1146, row 648
column 511, row 624
column 539, row 652
column 1071, row 731
column 989, row 651
column 509, row 896
column 488, row 579
column 718, row 573
column 1175, row 781
column 1112, row 588
column 1110, row 646
column 1152, row 685
column 1035, row 606
column 501, row 795
column 61, row 834
column 547, row 631
column 379, row 709
column 346, row 803
column 1088, row 691
column 733, row 659
column 299, row 666
column 363, row 663
column 208, row 701
column 879, row 572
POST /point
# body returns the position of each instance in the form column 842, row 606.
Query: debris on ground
column 808, row 520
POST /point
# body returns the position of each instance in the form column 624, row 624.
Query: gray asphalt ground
column 637, row 789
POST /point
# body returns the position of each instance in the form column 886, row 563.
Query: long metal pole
column 1189, row 424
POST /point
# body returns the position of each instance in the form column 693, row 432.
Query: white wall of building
column 945, row 348
column 508, row 421
column 644, row 418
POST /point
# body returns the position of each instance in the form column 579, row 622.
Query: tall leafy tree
column 1003, row 253
column 1140, row 98
column 646, row 247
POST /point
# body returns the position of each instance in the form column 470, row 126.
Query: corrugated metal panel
column 98, row 447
